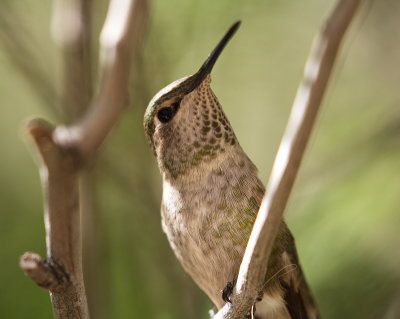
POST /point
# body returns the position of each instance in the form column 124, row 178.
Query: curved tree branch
column 71, row 30
column 302, row 118
column 63, row 157
column 120, row 35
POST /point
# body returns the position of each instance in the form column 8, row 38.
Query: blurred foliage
column 344, row 211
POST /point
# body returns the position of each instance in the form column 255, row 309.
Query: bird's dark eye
column 165, row 115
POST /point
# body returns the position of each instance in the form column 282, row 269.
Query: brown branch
column 71, row 30
column 117, row 41
column 61, row 160
column 59, row 176
column 302, row 118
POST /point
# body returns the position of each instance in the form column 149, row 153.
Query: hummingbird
column 211, row 196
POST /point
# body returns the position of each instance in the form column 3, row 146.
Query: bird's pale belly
column 209, row 257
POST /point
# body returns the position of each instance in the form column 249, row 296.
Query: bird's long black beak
column 205, row 69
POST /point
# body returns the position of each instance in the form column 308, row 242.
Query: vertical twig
column 302, row 118
column 71, row 30
column 65, row 150
column 59, row 176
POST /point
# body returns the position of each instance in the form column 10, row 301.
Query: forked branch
column 302, row 118
column 63, row 151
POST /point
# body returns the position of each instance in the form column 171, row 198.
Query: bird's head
column 185, row 123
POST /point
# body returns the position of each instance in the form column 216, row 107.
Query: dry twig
column 302, row 118
column 71, row 30
column 65, row 150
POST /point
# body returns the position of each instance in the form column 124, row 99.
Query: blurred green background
column 344, row 210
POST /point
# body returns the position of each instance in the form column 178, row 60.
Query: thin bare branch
column 61, row 160
column 117, row 41
column 302, row 118
column 71, row 30
column 59, row 176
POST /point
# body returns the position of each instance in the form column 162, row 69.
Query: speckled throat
column 198, row 135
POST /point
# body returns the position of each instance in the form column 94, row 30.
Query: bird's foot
column 227, row 291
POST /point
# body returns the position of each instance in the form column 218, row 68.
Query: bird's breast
column 208, row 224
column 196, row 234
